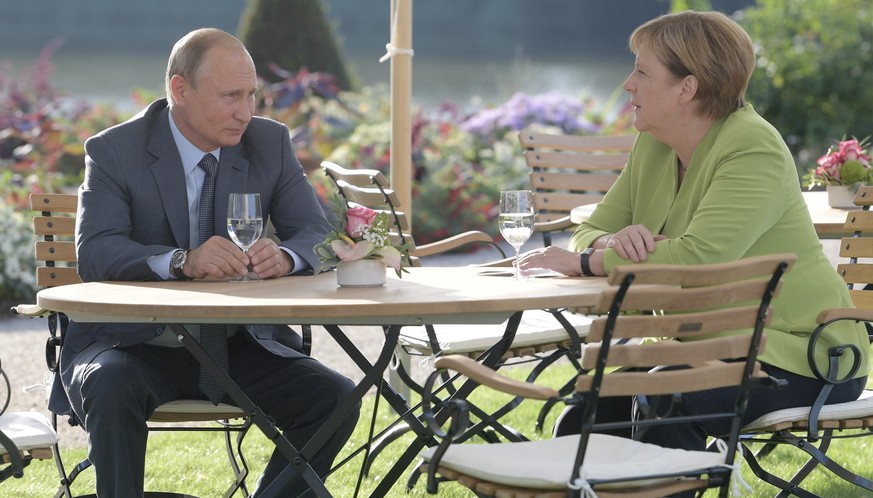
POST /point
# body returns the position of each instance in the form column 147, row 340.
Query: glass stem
column 517, row 274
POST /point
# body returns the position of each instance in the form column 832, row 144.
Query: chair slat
column 669, row 352
column 691, row 298
column 56, row 250
column 859, row 220
column 54, row 225
column 711, row 376
column 864, row 196
column 52, row 276
column 680, row 326
column 57, row 203
column 856, row 247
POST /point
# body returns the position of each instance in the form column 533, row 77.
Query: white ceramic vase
column 361, row 273
column 839, row 196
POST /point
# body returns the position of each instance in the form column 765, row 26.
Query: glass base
column 248, row 277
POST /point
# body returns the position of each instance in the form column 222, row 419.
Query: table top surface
column 828, row 221
column 424, row 295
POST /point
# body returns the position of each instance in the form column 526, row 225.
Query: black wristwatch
column 584, row 262
column 177, row 262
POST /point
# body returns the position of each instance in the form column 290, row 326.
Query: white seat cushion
column 862, row 407
column 28, row 430
column 548, row 464
column 536, row 327
column 196, row 406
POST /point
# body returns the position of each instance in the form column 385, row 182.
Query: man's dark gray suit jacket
column 133, row 205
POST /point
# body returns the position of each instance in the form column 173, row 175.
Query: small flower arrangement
column 360, row 233
column 845, row 163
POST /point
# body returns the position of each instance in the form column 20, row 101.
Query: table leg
column 297, row 459
column 425, row 437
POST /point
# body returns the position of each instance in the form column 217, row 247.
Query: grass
column 195, row 463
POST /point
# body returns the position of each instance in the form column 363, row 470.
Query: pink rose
column 851, row 150
column 359, row 218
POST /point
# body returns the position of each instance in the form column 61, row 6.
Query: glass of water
column 244, row 225
column 516, row 219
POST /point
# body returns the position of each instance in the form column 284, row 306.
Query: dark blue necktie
column 213, row 338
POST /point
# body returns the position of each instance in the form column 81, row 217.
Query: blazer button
column 159, row 330
column 116, row 344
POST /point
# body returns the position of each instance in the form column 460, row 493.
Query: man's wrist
column 177, row 264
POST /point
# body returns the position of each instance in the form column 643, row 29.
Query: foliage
column 42, row 132
column 813, row 61
column 845, row 163
column 293, row 34
column 17, row 266
column 42, row 136
column 359, row 233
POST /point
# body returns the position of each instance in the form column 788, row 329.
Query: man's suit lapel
column 168, row 173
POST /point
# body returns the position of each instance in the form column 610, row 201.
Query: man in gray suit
column 139, row 220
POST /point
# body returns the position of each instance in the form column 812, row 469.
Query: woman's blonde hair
column 709, row 45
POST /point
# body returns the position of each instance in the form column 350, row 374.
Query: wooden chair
column 695, row 301
column 812, row 429
column 55, row 248
column 542, row 336
column 569, row 171
column 24, row 436
column 370, row 188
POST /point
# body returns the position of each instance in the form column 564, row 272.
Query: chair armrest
column 455, row 242
column 553, row 226
column 488, row 377
column 29, row 310
column 844, row 314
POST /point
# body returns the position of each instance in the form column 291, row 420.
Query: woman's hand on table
column 634, row 242
column 559, row 260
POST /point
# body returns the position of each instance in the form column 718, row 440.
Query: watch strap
column 584, row 261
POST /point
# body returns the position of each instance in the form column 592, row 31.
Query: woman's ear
column 688, row 88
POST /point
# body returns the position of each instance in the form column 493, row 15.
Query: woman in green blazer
column 709, row 180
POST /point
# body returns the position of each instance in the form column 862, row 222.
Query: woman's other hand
column 634, row 242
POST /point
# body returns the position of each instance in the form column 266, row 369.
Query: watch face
column 178, row 259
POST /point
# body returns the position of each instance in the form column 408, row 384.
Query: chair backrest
column 370, row 188
column 688, row 315
column 571, row 170
column 858, row 270
column 55, row 229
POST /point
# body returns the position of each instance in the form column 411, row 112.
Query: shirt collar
column 189, row 153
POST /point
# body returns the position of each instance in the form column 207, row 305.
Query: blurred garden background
column 482, row 71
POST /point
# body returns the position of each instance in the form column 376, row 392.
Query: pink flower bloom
column 359, row 218
column 851, row 149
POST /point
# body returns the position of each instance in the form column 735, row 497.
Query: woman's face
column 654, row 94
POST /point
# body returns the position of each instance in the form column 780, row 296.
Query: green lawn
column 195, row 463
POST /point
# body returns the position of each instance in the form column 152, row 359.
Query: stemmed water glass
column 516, row 219
column 244, row 225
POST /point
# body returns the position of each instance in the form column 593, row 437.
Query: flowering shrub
column 845, row 163
column 17, row 264
column 359, row 233
column 42, row 136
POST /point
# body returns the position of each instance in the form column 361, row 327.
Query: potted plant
column 842, row 169
column 360, row 246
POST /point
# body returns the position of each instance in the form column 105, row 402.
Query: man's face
column 216, row 112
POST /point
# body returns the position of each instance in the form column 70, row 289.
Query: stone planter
column 361, row 273
column 839, row 196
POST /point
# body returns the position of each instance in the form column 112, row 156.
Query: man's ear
column 178, row 86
